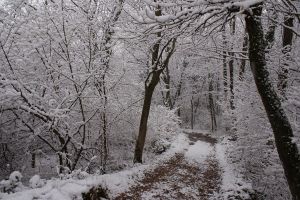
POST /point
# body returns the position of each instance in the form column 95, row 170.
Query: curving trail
column 194, row 174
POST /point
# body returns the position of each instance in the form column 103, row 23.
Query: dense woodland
column 98, row 85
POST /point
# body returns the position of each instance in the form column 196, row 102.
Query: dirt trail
column 177, row 178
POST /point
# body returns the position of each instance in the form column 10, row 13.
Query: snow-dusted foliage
column 13, row 184
column 163, row 127
column 72, row 186
column 253, row 149
column 36, row 182
column 78, row 79
column 60, row 97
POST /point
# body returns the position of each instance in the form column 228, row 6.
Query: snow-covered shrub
column 163, row 125
column 5, row 186
column 76, row 174
column 36, row 182
column 254, row 152
column 13, row 184
column 15, row 176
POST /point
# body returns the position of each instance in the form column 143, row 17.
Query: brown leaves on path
column 179, row 179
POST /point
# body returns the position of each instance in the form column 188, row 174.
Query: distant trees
column 211, row 102
column 287, row 41
column 206, row 18
column 73, row 74
column 56, row 58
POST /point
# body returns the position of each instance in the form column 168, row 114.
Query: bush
column 36, row 182
column 163, row 126
column 13, row 184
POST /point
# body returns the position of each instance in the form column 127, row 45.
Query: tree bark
column 282, row 130
column 211, row 104
column 231, row 62
column 157, row 67
column 167, row 82
column 138, row 154
column 104, row 146
column 225, row 76
column 192, row 113
column 150, row 84
column 106, row 52
column 33, row 160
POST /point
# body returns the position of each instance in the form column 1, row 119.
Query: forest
column 150, row 99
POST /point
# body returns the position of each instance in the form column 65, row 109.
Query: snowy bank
column 233, row 185
column 114, row 184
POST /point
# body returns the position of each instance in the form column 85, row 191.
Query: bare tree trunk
column 104, row 131
column 231, row 62
column 33, row 160
column 211, row 104
column 106, row 50
column 225, row 76
column 167, row 97
column 61, row 163
column 283, row 133
column 138, row 154
column 157, row 67
column 192, row 113
column 150, row 84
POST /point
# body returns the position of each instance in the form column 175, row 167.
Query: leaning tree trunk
column 283, row 133
column 150, row 84
column 149, row 89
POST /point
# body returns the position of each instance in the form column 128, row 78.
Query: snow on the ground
column 198, row 152
column 180, row 144
column 70, row 188
column 203, row 132
column 116, row 183
column 233, row 184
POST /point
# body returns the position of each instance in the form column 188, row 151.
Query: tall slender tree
column 160, row 58
column 283, row 133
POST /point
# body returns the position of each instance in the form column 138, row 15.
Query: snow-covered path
column 195, row 167
column 193, row 174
